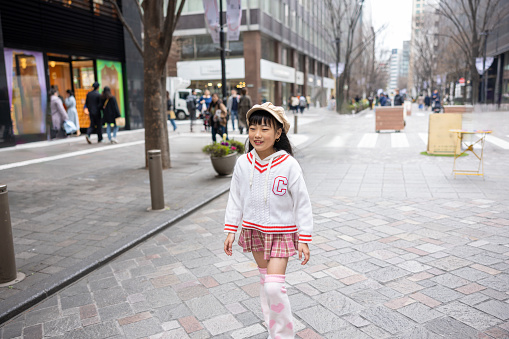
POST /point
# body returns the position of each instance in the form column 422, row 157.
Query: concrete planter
column 224, row 165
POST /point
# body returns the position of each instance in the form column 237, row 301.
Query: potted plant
column 223, row 155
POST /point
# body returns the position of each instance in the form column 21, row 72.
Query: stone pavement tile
column 33, row 332
column 413, row 266
column 61, row 325
column 221, row 324
column 474, row 299
column 308, row 334
column 404, row 286
column 339, row 272
column 42, row 315
column 499, row 282
column 75, row 301
column 387, row 319
column 494, row 294
column 321, row 319
column 356, row 320
column 387, row 274
column 338, row 303
column 450, row 263
column 426, row 300
column 205, row 307
column 161, row 297
column 110, row 296
column 90, row 321
column 497, row 332
column 248, row 332
column 496, row 308
column 165, row 280
column 469, row 315
column 347, row 332
column 114, row 312
column 419, row 312
column 229, row 293
column 298, row 277
column 375, row 332
column 451, row 328
column 420, row 276
column 369, row 297
column 247, row 318
column 88, row 311
column 326, row 284
column 142, row 328
column 470, row 288
column 441, row 293
column 470, row 274
column 485, row 269
column 190, row 324
column 399, row 302
column 307, row 289
column 419, row 333
column 299, row 300
column 449, row 280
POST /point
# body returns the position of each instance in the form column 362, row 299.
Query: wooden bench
column 458, row 109
column 389, row 118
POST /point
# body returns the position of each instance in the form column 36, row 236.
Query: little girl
column 269, row 198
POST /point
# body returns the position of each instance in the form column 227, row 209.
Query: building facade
column 394, row 63
column 498, row 73
column 283, row 50
column 63, row 45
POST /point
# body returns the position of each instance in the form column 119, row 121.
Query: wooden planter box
column 458, row 109
column 389, row 118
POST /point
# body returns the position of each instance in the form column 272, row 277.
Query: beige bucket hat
column 277, row 111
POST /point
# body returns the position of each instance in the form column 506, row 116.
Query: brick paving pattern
column 392, row 256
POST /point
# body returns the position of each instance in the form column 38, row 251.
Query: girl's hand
column 230, row 238
column 303, row 248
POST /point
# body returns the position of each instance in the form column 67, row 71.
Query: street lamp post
column 223, row 50
column 484, row 92
column 338, row 43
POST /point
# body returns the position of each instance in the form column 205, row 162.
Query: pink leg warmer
column 280, row 314
column 263, row 296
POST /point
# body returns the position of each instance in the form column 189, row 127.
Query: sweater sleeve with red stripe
column 302, row 210
column 233, row 216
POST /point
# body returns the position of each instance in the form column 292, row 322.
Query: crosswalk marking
column 496, row 141
column 399, row 140
column 368, row 140
column 424, row 137
column 337, row 141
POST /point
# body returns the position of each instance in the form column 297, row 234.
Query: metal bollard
column 155, row 170
column 296, row 118
column 7, row 259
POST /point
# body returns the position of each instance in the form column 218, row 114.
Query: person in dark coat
column 427, row 101
column 398, row 99
column 93, row 107
column 110, row 112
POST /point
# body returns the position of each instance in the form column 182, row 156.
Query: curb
column 28, row 298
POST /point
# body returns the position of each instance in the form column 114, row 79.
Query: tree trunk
column 475, row 79
column 156, row 129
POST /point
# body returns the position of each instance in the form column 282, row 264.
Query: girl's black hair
column 265, row 118
column 70, row 92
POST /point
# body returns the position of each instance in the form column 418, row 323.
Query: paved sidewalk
column 393, row 256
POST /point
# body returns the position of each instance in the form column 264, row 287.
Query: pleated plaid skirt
column 280, row 245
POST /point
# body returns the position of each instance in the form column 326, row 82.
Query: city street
column 401, row 248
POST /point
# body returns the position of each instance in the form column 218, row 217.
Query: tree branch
column 140, row 10
column 170, row 24
column 127, row 27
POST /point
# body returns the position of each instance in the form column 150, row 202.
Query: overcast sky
column 398, row 15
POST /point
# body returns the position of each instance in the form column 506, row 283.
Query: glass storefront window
column 82, row 77
column 109, row 73
column 505, row 79
column 267, row 91
column 27, row 91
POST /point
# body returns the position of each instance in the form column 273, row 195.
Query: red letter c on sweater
column 280, row 184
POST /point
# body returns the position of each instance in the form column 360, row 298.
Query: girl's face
column 263, row 137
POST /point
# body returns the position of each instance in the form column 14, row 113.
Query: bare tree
column 469, row 21
column 344, row 17
column 158, row 29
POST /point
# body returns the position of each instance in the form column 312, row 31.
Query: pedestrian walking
column 383, row 100
column 420, row 101
column 191, row 107
column 268, row 197
column 205, row 101
column 302, row 103
column 233, row 108
column 58, row 115
column 93, row 109
column 72, row 112
column 294, row 104
column 398, row 99
column 170, row 112
column 218, row 117
column 110, row 114
column 245, row 104
column 427, row 101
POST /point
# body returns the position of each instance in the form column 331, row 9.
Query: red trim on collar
column 280, row 160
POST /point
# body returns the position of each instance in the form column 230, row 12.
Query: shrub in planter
column 223, row 155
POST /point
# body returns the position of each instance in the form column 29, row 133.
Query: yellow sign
column 440, row 139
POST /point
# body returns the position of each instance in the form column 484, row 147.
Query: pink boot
column 263, row 296
column 280, row 314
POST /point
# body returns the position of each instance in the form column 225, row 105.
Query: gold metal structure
column 469, row 147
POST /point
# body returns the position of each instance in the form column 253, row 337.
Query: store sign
column 299, row 78
column 212, row 19
column 210, row 69
column 277, row 72
column 233, row 19
column 461, row 80
column 328, row 83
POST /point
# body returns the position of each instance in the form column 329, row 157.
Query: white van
column 179, row 102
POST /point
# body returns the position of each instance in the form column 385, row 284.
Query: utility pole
column 222, row 51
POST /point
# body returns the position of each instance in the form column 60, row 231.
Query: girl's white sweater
column 269, row 195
